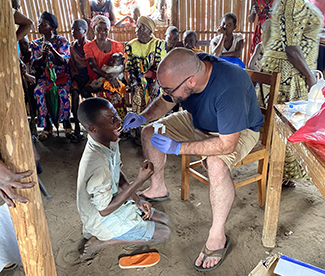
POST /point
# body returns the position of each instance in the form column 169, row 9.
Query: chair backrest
column 273, row 83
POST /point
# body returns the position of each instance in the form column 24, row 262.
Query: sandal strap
column 212, row 253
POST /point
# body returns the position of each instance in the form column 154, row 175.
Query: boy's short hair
column 172, row 29
column 232, row 16
column 81, row 23
column 89, row 110
column 188, row 33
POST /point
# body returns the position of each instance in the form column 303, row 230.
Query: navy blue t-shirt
column 228, row 104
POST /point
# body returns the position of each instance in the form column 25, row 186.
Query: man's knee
column 216, row 166
column 147, row 132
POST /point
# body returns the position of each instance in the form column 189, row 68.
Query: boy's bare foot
column 91, row 247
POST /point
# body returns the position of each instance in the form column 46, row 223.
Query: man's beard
column 188, row 92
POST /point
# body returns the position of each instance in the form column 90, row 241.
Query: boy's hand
column 145, row 207
column 146, row 170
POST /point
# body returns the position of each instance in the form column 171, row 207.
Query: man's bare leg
column 158, row 187
column 93, row 245
column 222, row 194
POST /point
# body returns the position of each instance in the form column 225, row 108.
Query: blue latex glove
column 165, row 144
column 133, row 120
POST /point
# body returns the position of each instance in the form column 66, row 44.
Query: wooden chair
column 259, row 153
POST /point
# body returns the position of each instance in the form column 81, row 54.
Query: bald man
column 221, row 120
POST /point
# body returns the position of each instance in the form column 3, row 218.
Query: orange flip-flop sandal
column 139, row 260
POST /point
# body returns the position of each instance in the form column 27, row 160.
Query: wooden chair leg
column 185, row 182
column 261, row 184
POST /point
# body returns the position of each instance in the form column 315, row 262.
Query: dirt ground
column 302, row 212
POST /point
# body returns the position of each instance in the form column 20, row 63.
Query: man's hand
column 145, row 207
column 146, row 171
column 133, row 120
column 8, row 180
column 165, row 144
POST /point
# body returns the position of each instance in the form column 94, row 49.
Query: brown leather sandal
column 45, row 134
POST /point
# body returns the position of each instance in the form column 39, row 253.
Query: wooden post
column 84, row 8
column 174, row 14
column 17, row 153
column 273, row 194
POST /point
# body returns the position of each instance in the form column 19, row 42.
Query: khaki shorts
column 179, row 126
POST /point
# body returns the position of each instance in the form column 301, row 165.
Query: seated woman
column 144, row 54
column 98, row 53
column 50, row 54
column 228, row 45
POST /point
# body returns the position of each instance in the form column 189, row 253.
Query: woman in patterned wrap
column 144, row 54
column 292, row 50
column 51, row 50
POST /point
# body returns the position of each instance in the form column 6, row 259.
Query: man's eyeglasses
column 172, row 91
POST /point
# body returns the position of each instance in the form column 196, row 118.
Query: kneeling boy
column 108, row 216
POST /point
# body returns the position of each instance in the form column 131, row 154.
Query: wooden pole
column 84, row 8
column 174, row 13
column 17, row 153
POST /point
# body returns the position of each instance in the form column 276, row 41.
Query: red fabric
column 261, row 17
column 92, row 51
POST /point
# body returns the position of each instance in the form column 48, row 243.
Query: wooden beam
column 174, row 13
column 17, row 153
column 273, row 194
column 84, row 8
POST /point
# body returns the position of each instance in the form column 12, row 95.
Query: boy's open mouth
column 118, row 131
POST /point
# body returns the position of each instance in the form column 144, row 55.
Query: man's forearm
column 157, row 109
column 208, row 147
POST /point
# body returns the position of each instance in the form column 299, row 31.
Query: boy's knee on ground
column 160, row 217
column 162, row 232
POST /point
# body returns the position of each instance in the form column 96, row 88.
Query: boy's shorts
column 179, row 126
column 144, row 230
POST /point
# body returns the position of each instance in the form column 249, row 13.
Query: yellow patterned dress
column 141, row 59
column 294, row 22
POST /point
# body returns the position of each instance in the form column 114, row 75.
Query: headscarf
column 148, row 22
column 51, row 18
column 100, row 19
